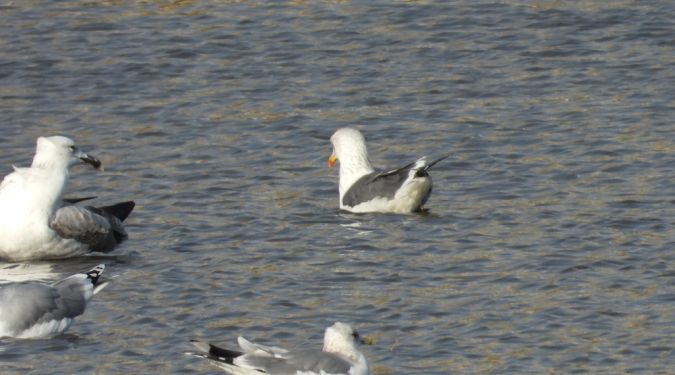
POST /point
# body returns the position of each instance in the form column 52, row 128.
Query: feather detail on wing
column 31, row 304
column 258, row 349
column 100, row 228
column 83, row 225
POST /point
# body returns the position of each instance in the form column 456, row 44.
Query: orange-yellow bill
column 331, row 161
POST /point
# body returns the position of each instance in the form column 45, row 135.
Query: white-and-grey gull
column 340, row 355
column 35, row 310
column 362, row 189
column 37, row 223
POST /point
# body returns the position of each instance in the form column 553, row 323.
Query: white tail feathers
column 94, row 274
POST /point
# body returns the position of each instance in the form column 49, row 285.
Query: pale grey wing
column 304, row 360
column 318, row 361
column 24, row 304
column 374, row 185
column 84, row 225
column 72, row 291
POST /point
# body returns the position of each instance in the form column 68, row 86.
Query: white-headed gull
column 362, row 189
column 340, row 355
column 37, row 223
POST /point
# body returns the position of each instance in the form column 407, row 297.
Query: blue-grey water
column 549, row 248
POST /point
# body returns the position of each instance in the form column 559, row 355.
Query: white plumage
column 35, row 222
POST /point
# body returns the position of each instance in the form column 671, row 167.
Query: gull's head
column 341, row 338
column 349, row 147
column 61, row 151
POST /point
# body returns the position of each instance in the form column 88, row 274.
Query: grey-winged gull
column 340, row 355
column 34, row 310
column 37, row 223
column 362, row 189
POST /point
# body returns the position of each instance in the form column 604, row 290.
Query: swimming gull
column 340, row 355
column 362, row 189
column 34, row 310
column 37, row 223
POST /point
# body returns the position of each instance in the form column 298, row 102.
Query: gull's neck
column 49, row 178
column 49, row 161
column 344, row 349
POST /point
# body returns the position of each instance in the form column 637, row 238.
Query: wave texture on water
column 549, row 246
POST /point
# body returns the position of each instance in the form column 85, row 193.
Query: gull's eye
column 72, row 148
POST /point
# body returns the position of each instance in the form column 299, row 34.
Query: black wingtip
column 422, row 173
column 223, row 354
column 217, row 353
column 78, row 200
column 120, row 210
column 435, row 161
column 94, row 273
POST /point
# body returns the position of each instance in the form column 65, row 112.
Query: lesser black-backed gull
column 362, row 189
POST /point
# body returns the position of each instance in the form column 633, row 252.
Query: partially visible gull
column 34, row 310
column 37, row 223
column 340, row 355
column 362, row 189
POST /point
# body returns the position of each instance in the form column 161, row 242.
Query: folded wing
column 98, row 227
column 27, row 304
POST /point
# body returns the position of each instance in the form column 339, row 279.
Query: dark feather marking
column 119, row 210
column 385, row 184
column 374, row 185
column 116, row 214
column 220, row 354
column 66, row 224
column 226, row 354
column 435, row 161
column 94, row 275
column 78, row 200
column 304, row 360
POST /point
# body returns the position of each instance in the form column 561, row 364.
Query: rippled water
column 549, row 247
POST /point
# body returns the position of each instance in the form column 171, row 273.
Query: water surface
column 549, row 245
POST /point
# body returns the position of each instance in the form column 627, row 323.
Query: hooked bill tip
column 94, row 162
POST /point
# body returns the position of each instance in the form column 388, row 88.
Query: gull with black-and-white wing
column 362, row 189
column 340, row 356
column 36, row 310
